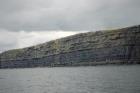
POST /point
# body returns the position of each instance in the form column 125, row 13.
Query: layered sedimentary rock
column 101, row 47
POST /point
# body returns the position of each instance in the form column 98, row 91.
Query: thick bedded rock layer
column 101, row 47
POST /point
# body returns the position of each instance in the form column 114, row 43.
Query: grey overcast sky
column 28, row 22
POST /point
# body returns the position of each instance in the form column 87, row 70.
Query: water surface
column 95, row 79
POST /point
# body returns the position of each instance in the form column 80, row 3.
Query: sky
column 25, row 23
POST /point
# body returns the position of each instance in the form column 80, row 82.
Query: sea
column 84, row 79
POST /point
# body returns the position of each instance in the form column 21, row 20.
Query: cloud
column 21, row 39
column 8, row 40
column 26, row 39
column 29, row 15
column 29, row 22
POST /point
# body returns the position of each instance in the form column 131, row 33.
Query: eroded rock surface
column 101, row 47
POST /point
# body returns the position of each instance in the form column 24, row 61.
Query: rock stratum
column 92, row 48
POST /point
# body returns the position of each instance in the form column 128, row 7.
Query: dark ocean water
column 95, row 79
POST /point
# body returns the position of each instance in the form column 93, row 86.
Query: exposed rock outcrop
column 101, row 47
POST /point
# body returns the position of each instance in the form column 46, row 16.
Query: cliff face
column 101, row 47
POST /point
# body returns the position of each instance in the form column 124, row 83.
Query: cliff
column 101, row 47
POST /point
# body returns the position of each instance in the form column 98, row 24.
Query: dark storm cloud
column 68, row 14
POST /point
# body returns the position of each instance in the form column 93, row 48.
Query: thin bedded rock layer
column 101, row 47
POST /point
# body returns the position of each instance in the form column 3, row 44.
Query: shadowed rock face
column 101, row 47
